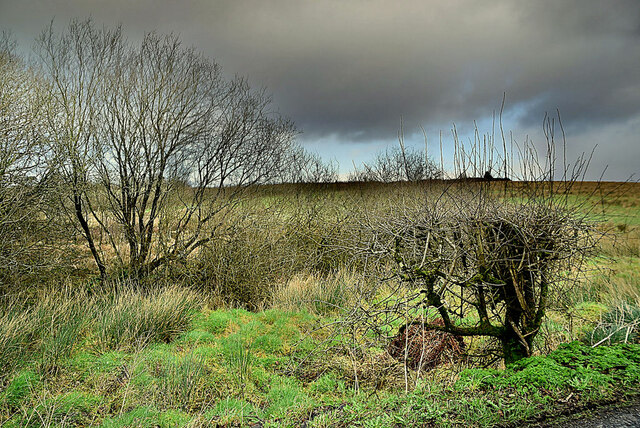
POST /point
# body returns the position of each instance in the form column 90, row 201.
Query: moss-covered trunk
column 513, row 347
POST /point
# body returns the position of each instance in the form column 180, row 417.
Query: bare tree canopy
column 25, row 182
column 152, row 141
column 398, row 163
column 302, row 166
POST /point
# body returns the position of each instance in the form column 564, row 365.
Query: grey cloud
column 351, row 69
column 354, row 68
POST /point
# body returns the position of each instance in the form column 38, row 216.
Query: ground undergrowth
column 239, row 368
column 182, row 355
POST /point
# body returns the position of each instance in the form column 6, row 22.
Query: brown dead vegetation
column 424, row 348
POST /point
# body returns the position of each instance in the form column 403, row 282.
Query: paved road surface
column 607, row 417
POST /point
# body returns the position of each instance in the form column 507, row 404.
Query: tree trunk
column 517, row 339
column 77, row 203
column 513, row 348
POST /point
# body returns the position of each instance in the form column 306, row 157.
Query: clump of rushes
column 618, row 325
column 239, row 359
column 16, row 336
column 316, row 294
column 180, row 381
column 129, row 319
column 48, row 331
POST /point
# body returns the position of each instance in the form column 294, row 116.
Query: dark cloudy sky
column 346, row 71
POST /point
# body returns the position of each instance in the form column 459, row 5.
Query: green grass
column 144, row 417
column 19, row 389
column 238, row 367
column 130, row 319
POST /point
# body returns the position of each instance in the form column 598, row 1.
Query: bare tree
column 73, row 65
column 153, row 143
column 302, row 166
column 398, row 164
column 486, row 258
column 25, row 181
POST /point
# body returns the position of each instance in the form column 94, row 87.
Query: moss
column 209, row 353
column 141, row 417
column 253, row 328
column 572, row 365
column 589, row 311
column 273, row 316
column 241, row 313
column 216, row 322
column 285, row 397
column 268, row 343
column 324, row 384
column 174, row 418
column 74, row 408
column 109, row 361
column 538, row 372
column 232, row 407
column 158, row 352
column 197, row 336
column 19, row 388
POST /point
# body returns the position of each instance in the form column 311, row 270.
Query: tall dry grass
column 130, row 319
column 46, row 330
column 315, row 293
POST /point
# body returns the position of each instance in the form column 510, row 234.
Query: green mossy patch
column 72, row 408
column 216, row 322
column 19, row 389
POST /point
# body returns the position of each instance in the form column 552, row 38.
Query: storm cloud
column 346, row 71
